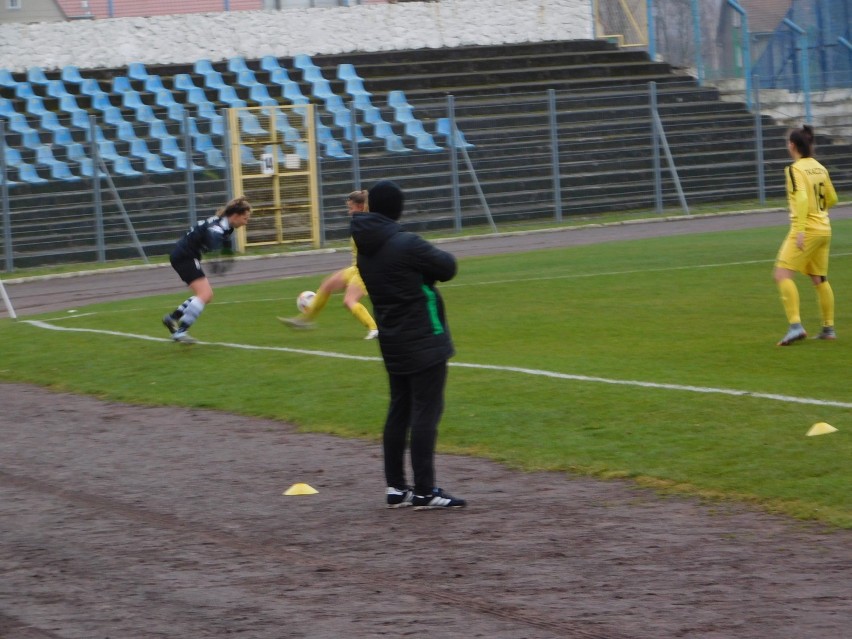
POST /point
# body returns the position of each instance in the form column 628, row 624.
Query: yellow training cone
column 300, row 489
column 821, row 428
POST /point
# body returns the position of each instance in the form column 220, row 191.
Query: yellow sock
column 826, row 303
column 790, row 300
column 363, row 315
column 320, row 300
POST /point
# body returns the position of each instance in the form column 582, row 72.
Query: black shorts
column 188, row 268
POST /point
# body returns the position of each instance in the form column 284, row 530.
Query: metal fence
column 545, row 156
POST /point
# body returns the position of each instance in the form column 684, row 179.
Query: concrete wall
column 116, row 42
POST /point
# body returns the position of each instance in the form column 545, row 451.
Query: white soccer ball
column 304, row 300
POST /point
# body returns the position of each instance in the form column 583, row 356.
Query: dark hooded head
column 387, row 199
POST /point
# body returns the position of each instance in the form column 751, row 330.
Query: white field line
column 504, row 369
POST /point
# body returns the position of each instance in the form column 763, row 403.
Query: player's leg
column 179, row 320
column 355, row 290
column 305, row 320
column 787, row 264
column 818, row 272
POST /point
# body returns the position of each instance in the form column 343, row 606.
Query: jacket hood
column 371, row 230
column 387, row 199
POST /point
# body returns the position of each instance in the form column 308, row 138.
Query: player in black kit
column 212, row 234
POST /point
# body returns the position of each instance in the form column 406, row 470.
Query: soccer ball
column 304, row 300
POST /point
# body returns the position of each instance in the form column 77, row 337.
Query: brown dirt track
column 126, row 522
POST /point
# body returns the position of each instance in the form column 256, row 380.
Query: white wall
column 252, row 34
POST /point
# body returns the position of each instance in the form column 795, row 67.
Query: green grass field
column 653, row 360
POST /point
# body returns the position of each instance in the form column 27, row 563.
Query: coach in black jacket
column 400, row 270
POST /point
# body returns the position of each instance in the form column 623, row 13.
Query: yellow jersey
column 810, row 194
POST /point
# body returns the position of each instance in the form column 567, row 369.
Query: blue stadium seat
column 91, row 88
column 164, row 98
column 130, row 99
column 175, row 112
column 125, row 131
column 197, row 96
column 270, row 64
column 56, row 89
column 35, row 106
column 77, row 154
column 169, row 146
column 145, row 113
column 153, row 83
column 6, row 107
column 247, row 156
column 330, row 146
column 157, row 129
column 260, row 95
column 63, row 138
column 13, row 156
column 24, row 90
column 237, row 65
column 352, row 82
column 58, row 169
column 228, row 95
column 291, row 92
column 214, row 158
column 71, row 75
column 207, row 111
column 18, row 123
column 246, row 79
column 35, row 75
column 112, row 116
column 183, row 82
column 153, row 163
column 203, row 67
column 249, row 123
column 343, row 119
column 50, row 122
column 424, row 140
column 122, row 166
column 442, row 127
column 68, row 103
column 303, row 61
column 137, row 71
column 214, row 80
column 7, row 79
column 283, row 126
column 120, row 84
column 31, row 140
column 28, row 173
column 106, row 149
column 403, row 111
column 102, row 103
column 393, row 142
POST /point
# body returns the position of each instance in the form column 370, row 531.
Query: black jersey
column 212, row 234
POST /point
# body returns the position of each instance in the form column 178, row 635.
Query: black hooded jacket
column 400, row 270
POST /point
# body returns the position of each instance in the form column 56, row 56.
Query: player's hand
column 220, row 266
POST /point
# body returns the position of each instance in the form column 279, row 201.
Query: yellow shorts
column 812, row 260
column 352, row 276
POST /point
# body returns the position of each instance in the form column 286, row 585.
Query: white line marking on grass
column 661, row 269
column 490, row 367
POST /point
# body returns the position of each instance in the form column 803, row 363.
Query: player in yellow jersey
column 805, row 249
column 347, row 279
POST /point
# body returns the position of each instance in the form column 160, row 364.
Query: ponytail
column 803, row 140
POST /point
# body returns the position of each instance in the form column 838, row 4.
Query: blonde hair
column 359, row 197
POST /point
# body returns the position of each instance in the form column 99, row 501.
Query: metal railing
column 550, row 156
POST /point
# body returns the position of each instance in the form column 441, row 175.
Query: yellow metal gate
column 274, row 165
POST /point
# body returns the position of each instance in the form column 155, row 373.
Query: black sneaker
column 399, row 497
column 170, row 323
column 437, row 499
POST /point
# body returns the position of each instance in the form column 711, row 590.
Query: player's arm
column 830, row 194
column 798, row 198
column 435, row 265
